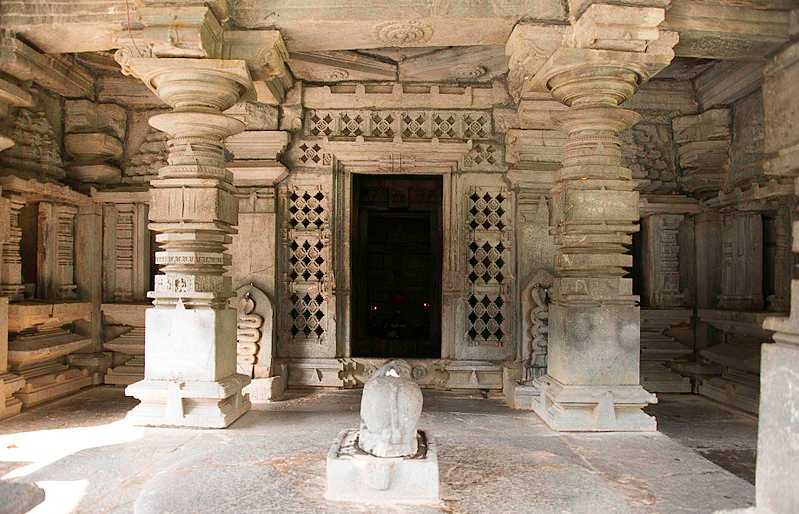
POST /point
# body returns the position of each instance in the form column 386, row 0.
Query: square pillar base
column 593, row 408
column 189, row 403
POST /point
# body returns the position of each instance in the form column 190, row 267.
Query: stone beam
column 745, row 30
column 190, row 373
column 265, row 54
column 60, row 74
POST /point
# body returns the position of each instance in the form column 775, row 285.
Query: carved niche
column 489, row 270
column 254, row 351
column 308, row 266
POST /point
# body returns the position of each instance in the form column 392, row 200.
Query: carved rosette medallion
column 468, row 72
column 403, row 33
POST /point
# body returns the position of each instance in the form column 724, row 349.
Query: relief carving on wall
column 253, row 332
column 535, row 305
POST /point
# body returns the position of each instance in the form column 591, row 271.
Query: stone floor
column 492, row 459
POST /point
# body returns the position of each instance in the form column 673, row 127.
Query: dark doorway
column 396, row 273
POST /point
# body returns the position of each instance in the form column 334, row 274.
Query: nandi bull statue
column 390, row 410
column 388, row 459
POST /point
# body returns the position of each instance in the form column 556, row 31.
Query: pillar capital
column 602, row 57
column 185, row 84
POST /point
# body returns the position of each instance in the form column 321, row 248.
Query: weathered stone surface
column 18, row 497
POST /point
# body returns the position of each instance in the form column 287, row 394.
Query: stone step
column 37, row 347
column 50, row 380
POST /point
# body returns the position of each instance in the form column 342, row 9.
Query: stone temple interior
column 229, row 214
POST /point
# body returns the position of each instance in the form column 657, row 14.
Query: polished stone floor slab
column 492, row 459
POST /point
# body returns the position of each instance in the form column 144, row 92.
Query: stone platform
column 354, row 475
column 491, row 459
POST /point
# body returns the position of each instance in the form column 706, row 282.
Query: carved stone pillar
column 592, row 381
column 661, row 260
column 11, row 272
column 190, row 343
column 742, row 261
column 56, row 266
column 592, row 67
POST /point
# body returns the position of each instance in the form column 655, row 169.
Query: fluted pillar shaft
column 592, row 382
column 190, row 333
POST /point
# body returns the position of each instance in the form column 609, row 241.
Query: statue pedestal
column 356, row 476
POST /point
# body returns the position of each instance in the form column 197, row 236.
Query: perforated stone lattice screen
column 307, row 263
column 307, row 313
column 460, row 125
column 487, row 211
column 486, row 263
column 486, row 318
column 306, row 209
column 306, row 260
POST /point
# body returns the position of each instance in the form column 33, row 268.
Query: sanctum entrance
column 397, row 260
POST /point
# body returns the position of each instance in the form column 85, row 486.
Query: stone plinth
column 356, row 476
column 190, row 376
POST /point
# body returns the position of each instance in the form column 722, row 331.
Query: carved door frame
column 451, row 290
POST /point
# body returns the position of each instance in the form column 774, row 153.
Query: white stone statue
column 390, row 410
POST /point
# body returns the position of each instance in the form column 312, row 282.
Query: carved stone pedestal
column 190, row 374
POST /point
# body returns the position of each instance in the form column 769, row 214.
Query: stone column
column 592, row 381
column 592, row 67
column 661, row 260
column 190, row 343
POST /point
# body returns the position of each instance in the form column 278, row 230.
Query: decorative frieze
column 403, row 96
column 36, row 150
column 648, row 150
column 407, row 125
